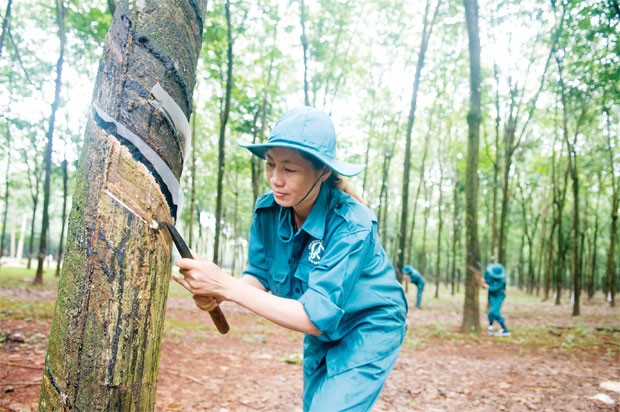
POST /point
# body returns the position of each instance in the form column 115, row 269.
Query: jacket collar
column 315, row 222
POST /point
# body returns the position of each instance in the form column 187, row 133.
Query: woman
column 416, row 278
column 316, row 249
column 495, row 282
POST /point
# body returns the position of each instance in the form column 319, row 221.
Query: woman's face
column 291, row 176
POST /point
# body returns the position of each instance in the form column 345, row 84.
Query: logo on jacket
column 315, row 251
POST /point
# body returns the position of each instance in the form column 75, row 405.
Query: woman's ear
column 325, row 174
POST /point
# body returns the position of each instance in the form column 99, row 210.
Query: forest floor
column 552, row 362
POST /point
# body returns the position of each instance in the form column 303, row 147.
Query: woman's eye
column 287, row 170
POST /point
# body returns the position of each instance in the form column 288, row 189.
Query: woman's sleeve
column 497, row 285
column 257, row 260
column 330, row 282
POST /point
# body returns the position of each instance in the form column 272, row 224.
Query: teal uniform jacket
column 416, row 277
column 495, row 277
column 335, row 266
column 418, row 281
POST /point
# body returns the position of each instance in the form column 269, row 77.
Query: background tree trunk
column 5, row 24
column 43, row 252
column 426, row 34
column 193, row 216
column 439, row 230
column 592, row 270
column 304, row 46
column 496, row 166
column 6, row 186
column 574, row 175
column 34, row 182
column 222, row 142
column 456, row 227
column 256, row 163
column 471, row 308
column 611, row 270
column 103, row 348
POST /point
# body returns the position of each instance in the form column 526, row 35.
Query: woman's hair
column 335, row 180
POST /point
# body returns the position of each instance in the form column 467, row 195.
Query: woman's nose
column 276, row 178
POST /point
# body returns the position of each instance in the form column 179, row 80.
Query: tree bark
column 471, row 307
column 104, row 344
column 47, row 159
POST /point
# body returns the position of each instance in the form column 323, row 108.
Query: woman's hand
column 203, row 279
column 210, row 285
column 206, row 303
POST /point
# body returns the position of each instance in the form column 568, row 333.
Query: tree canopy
column 549, row 163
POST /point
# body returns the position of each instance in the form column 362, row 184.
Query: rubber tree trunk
column 105, row 339
column 471, row 307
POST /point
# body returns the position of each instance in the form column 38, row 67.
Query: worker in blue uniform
column 315, row 265
column 495, row 283
column 416, row 278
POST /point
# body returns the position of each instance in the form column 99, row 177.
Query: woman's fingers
column 181, row 281
column 207, row 303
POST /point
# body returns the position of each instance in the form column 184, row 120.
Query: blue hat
column 496, row 270
column 309, row 130
column 409, row 270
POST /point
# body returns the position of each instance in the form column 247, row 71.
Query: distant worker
column 416, row 278
column 495, row 283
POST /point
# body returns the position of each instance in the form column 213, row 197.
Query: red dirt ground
column 255, row 367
